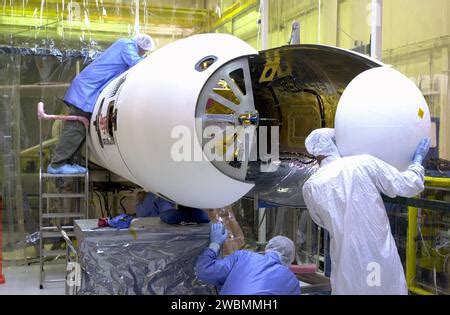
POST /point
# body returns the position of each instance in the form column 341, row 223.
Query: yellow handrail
column 419, row 291
column 411, row 247
column 411, row 257
column 437, row 182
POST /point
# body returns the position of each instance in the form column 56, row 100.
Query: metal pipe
column 437, row 182
column 319, row 28
column 232, row 12
column 136, row 20
column 411, row 247
column 42, row 115
column 2, row 277
column 86, row 178
column 419, row 291
column 262, row 225
column 377, row 23
column 41, row 262
column 261, row 221
column 264, row 24
column 295, row 37
column 319, row 232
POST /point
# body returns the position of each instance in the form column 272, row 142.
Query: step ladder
column 48, row 229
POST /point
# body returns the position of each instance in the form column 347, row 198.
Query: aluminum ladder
column 47, row 228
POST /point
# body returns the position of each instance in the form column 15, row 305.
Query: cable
column 262, row 219
column 322, row 110
column 105, row 198
column 100, row 202
column 321, row 106
column 258, row 22
column 298, row 155
column 121, row 205
column 437, row 250
column 428, row 253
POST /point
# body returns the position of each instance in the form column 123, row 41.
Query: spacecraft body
column 141, row 114
column 207, row 119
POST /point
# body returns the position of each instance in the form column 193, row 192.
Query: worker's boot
column 80, row 168
column 65, row 169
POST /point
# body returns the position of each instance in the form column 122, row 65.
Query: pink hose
column 302, row 269
column 42, row 115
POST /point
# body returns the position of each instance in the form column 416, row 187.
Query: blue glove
column 218, row 235
column 422, row 151
column 122, row 221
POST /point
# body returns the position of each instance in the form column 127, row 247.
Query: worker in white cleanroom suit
column 344, row 197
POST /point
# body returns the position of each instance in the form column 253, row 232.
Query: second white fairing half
column 142, row 115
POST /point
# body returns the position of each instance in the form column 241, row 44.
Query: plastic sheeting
column 150, row 258
column 299, row 227
column 236, row 239
column 28, row 75
column 283, row 188
column 94, row 24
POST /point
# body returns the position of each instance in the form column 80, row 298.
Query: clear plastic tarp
column 29, row 75
column 151, row 257
column 236, row 239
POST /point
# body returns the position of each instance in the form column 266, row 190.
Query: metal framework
column 411, row 249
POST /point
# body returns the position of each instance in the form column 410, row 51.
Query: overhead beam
column 234, row 11
column 377, row 22
column 17, row 25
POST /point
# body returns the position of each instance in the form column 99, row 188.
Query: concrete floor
column 24, row 280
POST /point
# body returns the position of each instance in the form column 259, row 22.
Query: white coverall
column 343, row 196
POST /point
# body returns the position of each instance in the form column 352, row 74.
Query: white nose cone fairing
column 384, row 114
column 138, row 117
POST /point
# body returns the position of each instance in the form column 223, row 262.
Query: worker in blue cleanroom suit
column 84, row 91
column 249, row 273
column 151, row 205
column 344, row 197
column 184, row 215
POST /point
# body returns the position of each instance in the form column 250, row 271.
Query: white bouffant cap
column 144, row 41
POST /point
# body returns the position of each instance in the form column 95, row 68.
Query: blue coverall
column 247, row 273
column 86, row 87
column 153, row 206
column 84, row 91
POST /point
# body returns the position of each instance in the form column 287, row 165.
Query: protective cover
column 149, row 258
column 282, row 187
column 236, row 239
